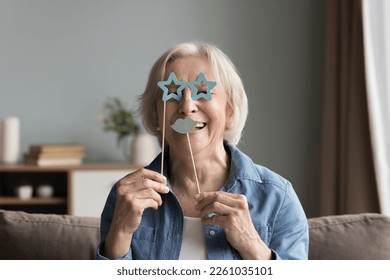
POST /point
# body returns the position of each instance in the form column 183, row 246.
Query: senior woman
column 243, row 210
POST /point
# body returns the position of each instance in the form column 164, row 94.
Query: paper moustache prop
column 184, row 126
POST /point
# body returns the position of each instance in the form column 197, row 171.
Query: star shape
column 206, row 95
column 164, row 86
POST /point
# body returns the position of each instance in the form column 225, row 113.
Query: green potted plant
column 119, row 119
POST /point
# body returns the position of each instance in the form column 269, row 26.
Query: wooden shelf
column 63, row 168
column 73, row 186
column 9, row 200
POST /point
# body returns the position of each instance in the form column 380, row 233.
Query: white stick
column 163, row 140
column 193, row 163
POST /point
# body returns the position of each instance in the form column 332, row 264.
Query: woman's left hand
column 232, row 213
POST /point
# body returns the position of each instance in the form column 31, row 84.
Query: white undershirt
column 193, row 247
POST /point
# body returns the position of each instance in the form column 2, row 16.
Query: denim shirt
column 273, row 205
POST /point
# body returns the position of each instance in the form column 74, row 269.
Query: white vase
column 144, row 149
column 1, row 141
column 45, row 191
column 24, row 192
column 10, row 140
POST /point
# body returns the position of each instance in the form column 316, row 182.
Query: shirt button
column 212, row 233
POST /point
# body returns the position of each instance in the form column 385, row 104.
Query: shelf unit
column 78, row 190
column 33, row 201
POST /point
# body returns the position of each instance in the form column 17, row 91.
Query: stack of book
column 46, row 155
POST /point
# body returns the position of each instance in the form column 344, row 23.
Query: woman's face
column 212, row 115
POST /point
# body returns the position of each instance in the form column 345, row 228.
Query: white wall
column 60, row 60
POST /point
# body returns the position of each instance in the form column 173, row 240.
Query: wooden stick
column 163, row 139
column 193, row 163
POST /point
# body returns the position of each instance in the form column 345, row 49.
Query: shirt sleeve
column 100, row 256
column 105, row 224
column 290, row 238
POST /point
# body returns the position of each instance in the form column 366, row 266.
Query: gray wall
column 60, row 60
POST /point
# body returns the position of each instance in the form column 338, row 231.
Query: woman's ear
column 229, row 117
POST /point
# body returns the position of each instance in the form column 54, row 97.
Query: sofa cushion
column 350, row 237
column 47, row 236
column 44, row 236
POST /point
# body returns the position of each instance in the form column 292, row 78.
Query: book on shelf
column 63, row 154
column 56, row 148
column 54, row 161
column 32, row 156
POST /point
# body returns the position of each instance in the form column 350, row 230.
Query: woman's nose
column 187, row 105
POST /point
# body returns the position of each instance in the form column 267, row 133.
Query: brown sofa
column 43, row 236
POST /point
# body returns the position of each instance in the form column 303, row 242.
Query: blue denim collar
column 242, row 167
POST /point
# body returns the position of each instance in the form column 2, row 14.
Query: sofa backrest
column 47, row 236
column 56, row 237
column 350, row 237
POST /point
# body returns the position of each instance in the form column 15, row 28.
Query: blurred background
column 61, row 60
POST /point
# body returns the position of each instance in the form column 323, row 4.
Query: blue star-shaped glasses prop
column 169, row 95
column 178, row 95
column 203, row 94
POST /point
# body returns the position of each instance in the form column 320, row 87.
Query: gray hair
column 226, row 75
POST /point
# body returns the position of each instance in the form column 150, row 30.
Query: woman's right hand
column 134, row 193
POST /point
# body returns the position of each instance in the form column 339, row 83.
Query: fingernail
column 197, row 196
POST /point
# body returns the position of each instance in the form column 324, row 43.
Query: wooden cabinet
column 90, row 189
column 78, row 190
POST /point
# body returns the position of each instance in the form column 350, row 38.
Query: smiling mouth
column 200, row 125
